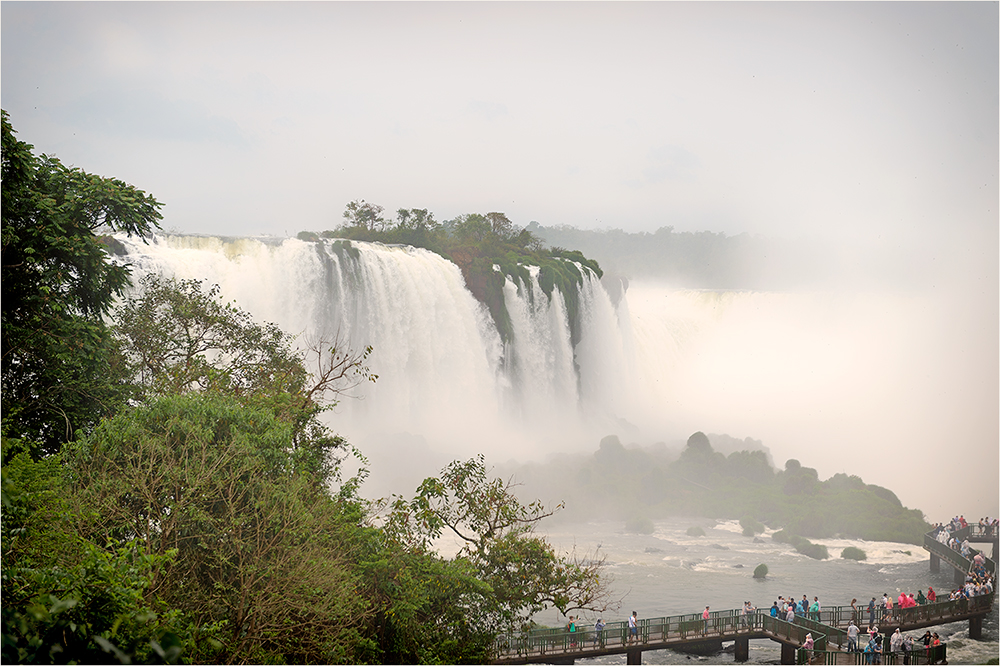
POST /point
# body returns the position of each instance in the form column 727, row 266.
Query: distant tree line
column 627, row 483
column 697, row 259
column 171, row 495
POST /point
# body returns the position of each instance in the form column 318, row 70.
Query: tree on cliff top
column 59, row 368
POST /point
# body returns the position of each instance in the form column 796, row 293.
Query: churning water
column 671, row 573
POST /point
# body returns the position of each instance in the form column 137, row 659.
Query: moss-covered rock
column 639, row 525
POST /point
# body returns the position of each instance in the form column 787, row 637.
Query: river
column 670, row 573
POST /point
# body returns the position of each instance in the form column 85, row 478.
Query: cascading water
column 446, row 381
column 822, row 376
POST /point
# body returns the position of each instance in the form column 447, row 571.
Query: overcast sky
column 867, row 120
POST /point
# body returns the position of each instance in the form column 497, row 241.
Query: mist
column 847, row 151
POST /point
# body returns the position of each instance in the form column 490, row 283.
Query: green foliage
column 60, row 371
column 259, row 553
column 66, row 599
column 698, row 481
column 524, row 572
column 639, row 525
column 751, row 526
column 760, row 571
column 695, row 531
column 853, row 553
column 802, row 545
column 92, row 612
column 425, row 609
column 181, row 339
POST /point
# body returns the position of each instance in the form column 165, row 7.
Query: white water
column 671, row 573
column 446, row 384
column 862, row 383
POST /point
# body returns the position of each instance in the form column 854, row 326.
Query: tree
column 364, row 215
column 262, row 555
column 180, row 338
column 65, row 599
column 524, row 572
column 60, row 371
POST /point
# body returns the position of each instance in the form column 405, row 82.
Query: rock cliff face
column 486, row 276
column 486, row 284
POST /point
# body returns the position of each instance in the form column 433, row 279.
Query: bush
column 853, row 553
column 751, row 526
column 695, row 531
column 802, row 545
column 760, row 572
column 641, row 525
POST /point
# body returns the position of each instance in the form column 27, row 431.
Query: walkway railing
column 917, row 616
column 919, row 655
column 829, row 633
column 954, row 557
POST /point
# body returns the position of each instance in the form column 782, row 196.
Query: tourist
column 790, row 615
column 814, row 609
column 808, row 645
column 870, row 651
column 599, row 632
column 871, row 612
column 633, row 628
column 854, row 610
column 931, row 595
column 921, row 599
column 705, row 616
column 896, row 642
column 852, row 637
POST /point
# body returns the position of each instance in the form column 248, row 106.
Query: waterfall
column 445, row 378
column 825, row 376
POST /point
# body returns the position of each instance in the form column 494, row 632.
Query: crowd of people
column 898, row 642
column 978, row 582
column 942, row 532
column 787, row 609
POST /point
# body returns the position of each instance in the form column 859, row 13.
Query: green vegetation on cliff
column 488, row 249
column 702, row 482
